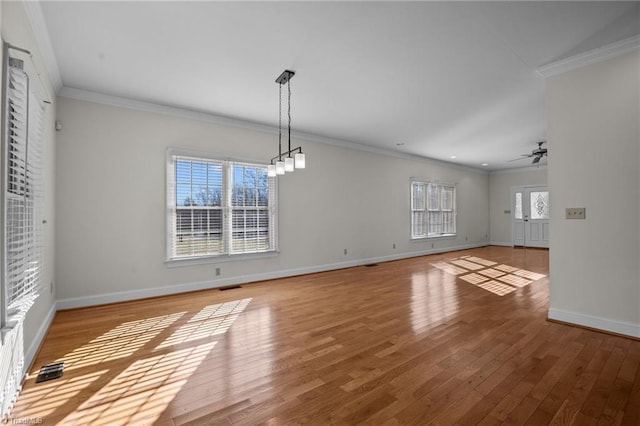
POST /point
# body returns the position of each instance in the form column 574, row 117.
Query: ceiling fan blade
column 537, row 159
column 522, row 157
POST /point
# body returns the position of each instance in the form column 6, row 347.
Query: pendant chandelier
column 284, row 162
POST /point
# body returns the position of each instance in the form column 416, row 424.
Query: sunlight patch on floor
column 505, row 279
column 210, row 321
column 148, row 374
column 140, row 393
column 48, row 396
column 119, row 342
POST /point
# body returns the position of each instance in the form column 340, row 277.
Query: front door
column 530, row 216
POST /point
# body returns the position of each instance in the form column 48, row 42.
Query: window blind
column 22, row 214
column 433, row 209
column 23, row 195
column 219, row 207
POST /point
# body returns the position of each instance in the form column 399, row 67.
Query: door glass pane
column 540, row 205
column 518, row 206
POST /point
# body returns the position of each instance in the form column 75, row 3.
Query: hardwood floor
column 427, row 340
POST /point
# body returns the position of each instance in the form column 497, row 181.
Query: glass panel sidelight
column 518, row 206
column 540, row 205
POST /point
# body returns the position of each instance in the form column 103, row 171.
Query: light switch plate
column 575, row 213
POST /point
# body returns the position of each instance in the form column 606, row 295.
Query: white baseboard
column 501, row 243
column 605, row 324
column 124, row 296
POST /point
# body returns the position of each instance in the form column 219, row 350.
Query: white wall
column 110, row 188
column 593, row 131
column 16, row 30
column 500, row 184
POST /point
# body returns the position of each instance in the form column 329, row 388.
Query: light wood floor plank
column 403, row 342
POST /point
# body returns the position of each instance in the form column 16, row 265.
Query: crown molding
column 121, row 102
column 590, row 57
column 518, row 170
column 34, row 14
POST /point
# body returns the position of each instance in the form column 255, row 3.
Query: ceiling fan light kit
column 284, row 162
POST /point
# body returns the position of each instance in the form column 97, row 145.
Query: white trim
column 124, row 296
column 100, row 98
column 500, row 243
column 33, row 10
column 606, row 324
column 590, row 57
column 39, row 338
column 518, row 170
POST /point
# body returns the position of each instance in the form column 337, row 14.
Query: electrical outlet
column 345, row 252
column 575, row 213
column 394, row 246
column 217, row 272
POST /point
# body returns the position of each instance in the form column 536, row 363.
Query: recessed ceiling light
column 400, row 144
column 453, row 157
column 485, row 164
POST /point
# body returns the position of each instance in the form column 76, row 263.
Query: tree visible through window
column 219, row 208
column 433, row 209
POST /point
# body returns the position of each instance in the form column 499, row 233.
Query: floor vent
column 230, row 287
column 370, row 265
column 50, row 372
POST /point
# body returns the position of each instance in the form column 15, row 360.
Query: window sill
column 208, row 260
column 435, row 237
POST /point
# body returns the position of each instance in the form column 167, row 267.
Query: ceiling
column 433, row 79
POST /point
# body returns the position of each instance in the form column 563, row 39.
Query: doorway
column 530, row 216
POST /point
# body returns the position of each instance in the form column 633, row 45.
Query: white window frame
column 428, row 214
column 228, row 248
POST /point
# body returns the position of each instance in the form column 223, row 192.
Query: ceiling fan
column 537, row 154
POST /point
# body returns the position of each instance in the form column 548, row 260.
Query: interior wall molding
column 143, row 106
column 590, row 57
column 599, row 323
column 34, row 14
column 518, row 170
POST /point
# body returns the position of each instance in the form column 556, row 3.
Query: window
column 219, row 208
column 22, row 202
column 23, row 197
column 433, row 209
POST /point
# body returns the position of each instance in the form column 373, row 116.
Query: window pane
column 183, row 171
column 447, row 198
column 433, row 198
column 198, row 172
column 518, row 206
column 418, row 223
column 435, row 223
column 540, row 205
column 418, row 199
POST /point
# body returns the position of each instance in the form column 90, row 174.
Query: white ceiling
column 440, row 78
